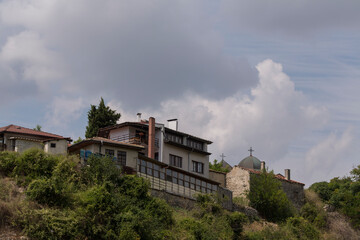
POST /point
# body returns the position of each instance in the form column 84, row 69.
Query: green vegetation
column 218, row 166
column 268, row 198
column 343, row 194
column 53, row 197
column 99, row 117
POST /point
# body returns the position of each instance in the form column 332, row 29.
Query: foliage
column 33, row 164
column 241, row 201
column 293, row 228
column 37, row 128
column 78, row 140
column 343, row 194
column 218, row 166
column 7, row 162
column 99, row 117
column 268, row 198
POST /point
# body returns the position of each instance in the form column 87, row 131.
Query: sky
column 279, row 76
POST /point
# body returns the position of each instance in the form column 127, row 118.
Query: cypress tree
column 99, row 117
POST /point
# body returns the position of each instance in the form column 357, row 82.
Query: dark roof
column 250, row 162
column 278, row 176
column 105, row 141
column 104, row 132
column 30, row 132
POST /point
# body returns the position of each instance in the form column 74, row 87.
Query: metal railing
column 128, row 138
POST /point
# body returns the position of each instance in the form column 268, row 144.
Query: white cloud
column 63, row 110
column 328, row 154
column 273, row 116
column 28, row 59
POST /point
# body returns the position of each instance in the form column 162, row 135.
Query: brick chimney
column 151, row 141
column 287, row 174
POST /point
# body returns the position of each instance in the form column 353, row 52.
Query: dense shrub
column 268, row 198
column 49, row 224
column 302, row 229
column 344, row 194
column 34, row 164
column 7, row 162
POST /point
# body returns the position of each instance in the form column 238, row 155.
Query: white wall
column 60, row 147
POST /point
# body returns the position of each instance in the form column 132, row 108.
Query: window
column 156, row 157
column 175, row 161
column 174, row 138
column 121, row 158
column 53, row 145
column 109, row 152
column 195, row 144
column 198, row 167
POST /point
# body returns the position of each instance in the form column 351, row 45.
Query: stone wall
column 173, row 199
column 22, row 145
column 295, row 193
column 238, row 181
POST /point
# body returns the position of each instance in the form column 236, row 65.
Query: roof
column 30, row 132
column 104, row 132
column 105, row 141
column 250, row 162
column 278, row 176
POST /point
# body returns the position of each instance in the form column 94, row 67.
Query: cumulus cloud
column 27, row 59
column 295, row 18
column 328, row 154
column 63, row 110
column 274, row 115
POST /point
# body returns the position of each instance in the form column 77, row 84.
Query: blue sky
column 280, row 76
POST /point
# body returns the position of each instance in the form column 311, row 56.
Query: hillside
column 52, row 197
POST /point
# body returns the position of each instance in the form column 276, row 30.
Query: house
column 175, row 163
column 124, row 154
column 165, row 144
column 238, row 180
column 18, row 139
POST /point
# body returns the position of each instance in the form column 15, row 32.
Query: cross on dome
column 251, row 150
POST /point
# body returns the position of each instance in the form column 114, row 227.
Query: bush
column 302, row 229
column 7, row 162
column 49, row 224
column 268, row 198
column 34, row 164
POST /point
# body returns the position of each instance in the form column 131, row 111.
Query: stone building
column 238, row 180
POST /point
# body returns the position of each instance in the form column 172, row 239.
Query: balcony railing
column 133, row 139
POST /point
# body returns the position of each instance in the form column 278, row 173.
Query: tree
column 99, row 117
column 37, row 128
column 218, row 166
column 268, row 198
column 78, row 140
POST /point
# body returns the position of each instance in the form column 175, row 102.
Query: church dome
column 250, row 162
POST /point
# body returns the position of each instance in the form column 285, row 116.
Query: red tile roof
column 278, row 176
column 27, row 131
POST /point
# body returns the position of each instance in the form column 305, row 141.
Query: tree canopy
column 268, row 198
column 218, row 166
column 99, row 117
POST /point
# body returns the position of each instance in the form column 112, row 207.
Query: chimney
column 138, row 117
column 173, row 124
column 151, row 142
column 287, row 174
column 262, row 168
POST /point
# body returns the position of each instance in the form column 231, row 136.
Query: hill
column 51, row 197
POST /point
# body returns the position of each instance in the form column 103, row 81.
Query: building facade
column 18, row 139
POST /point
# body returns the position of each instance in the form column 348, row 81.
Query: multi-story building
column 165, row 144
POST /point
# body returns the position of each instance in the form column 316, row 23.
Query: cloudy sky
column 280, row 76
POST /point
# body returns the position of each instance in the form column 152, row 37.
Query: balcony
column 135, row 139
